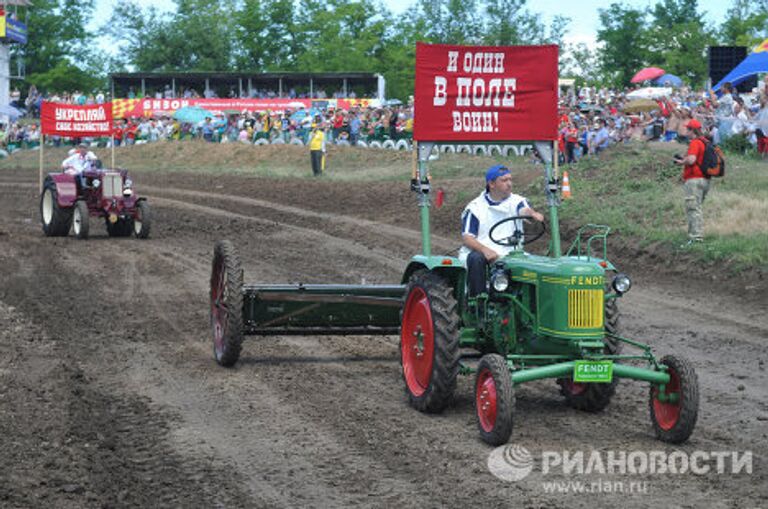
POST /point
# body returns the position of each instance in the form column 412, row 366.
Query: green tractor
column 553, row 316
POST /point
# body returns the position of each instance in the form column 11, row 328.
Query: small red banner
column 76, row 121
column 485, row 93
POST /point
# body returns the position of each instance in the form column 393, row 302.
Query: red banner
column 485, row 93
column 75, row 121
column 130, row 108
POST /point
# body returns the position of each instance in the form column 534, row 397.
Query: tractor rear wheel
column 81, row 224
column 674, row 420
column 56, row 220
column 429, row 342
column 494, row 399
column 594, row 397
column 142, row 221
column 226, row 304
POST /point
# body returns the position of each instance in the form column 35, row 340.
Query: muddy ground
column 110, row 397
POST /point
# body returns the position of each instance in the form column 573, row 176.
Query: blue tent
column 756, row 62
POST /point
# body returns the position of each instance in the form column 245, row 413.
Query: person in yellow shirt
column 317, row 149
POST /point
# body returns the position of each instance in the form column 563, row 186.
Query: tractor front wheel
column 142, row 221
column 226, row 304
column 429, row 342
column 81, row 220
column 494, row 400
column 675, row 417
column 594, row 397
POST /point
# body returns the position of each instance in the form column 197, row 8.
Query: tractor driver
column 78, row 162
column 496, row 203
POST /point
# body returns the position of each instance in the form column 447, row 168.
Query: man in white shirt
column 78, row 162
column 496, row 203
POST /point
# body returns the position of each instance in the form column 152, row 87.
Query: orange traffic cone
column 566, row 186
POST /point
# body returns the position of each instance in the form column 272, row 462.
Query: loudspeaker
column 722, row 60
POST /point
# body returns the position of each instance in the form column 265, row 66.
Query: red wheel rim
column 485, row 400
column 667, row 414
column 218, row 309
column 573, row 388
column 417, row 339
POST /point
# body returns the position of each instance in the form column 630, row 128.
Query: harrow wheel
column 494, row 399
column 429, row 342
column 674, row 420
column 594, row 397
column 226, row 304
column 56, row 220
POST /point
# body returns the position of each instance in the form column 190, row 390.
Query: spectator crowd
column 590, row 121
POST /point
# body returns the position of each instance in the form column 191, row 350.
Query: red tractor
column 70, row 200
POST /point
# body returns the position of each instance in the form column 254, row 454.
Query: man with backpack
column 702, row 162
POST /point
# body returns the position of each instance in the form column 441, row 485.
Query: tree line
column 66, row 53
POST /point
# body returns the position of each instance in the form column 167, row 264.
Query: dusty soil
column 110, row 396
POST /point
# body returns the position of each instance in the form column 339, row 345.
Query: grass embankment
column 635, row 189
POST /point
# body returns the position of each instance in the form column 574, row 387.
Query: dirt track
column 110, row 397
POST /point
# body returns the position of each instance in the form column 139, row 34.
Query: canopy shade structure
column 756, row 62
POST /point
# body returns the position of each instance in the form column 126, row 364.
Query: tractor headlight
column 621, row 283
column 128, row 183
column 499, row 280
column 127, row 192
column 96, row 183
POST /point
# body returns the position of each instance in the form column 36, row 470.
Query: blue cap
column 495, row 172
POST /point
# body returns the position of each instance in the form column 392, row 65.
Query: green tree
column 56, row 39
column 196, row 37
column 625, row 43
column 678, row 39
column 746, row 24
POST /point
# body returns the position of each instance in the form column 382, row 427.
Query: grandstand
column 282, row 85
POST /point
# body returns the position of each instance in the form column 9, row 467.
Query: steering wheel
column 519, row 236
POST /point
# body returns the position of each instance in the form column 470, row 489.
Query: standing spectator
column 354, row 128
column 338, row 124
column 206, row 129
column 117, row 134
column 695, row 185
column 571, row 140
column 317, row 149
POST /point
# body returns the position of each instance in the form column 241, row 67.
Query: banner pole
column 40, row 173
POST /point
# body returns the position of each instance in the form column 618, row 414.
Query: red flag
column 75, row 121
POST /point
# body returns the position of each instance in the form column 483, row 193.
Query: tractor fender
column 66, row 188
column 448, row 267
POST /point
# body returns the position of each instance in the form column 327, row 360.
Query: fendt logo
column 510, row 462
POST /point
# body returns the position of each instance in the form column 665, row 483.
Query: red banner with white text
column 485, row 93
column 134, row 108
column 75, row 121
